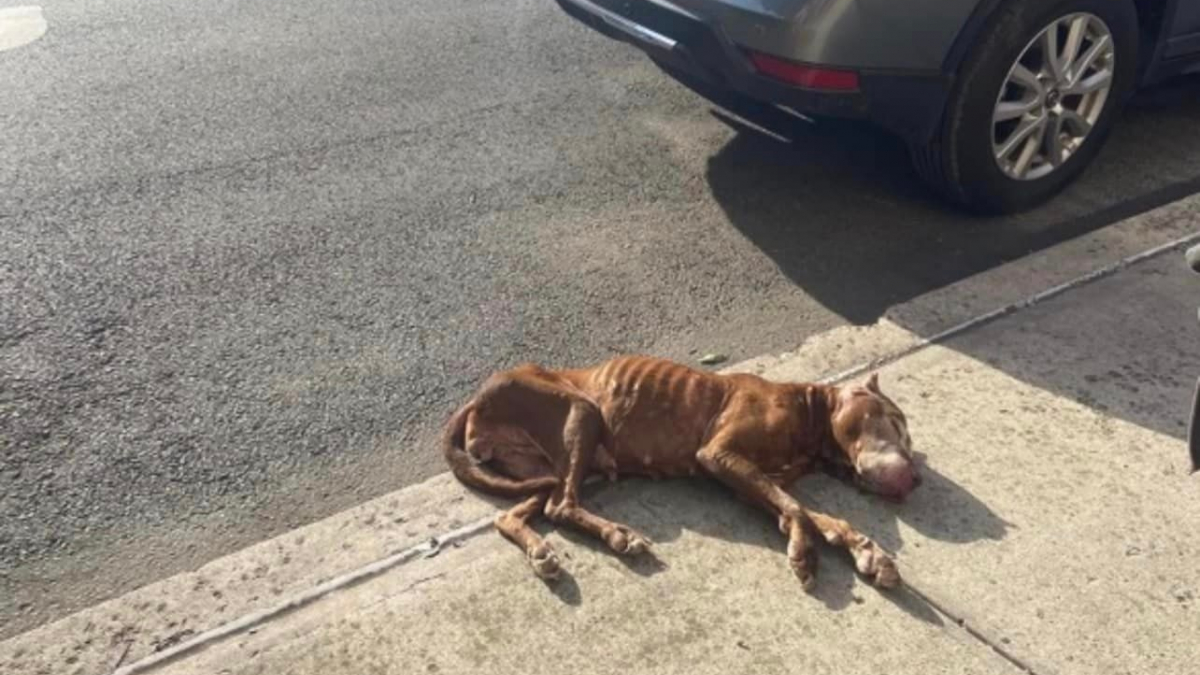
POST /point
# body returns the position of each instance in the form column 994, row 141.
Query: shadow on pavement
column 783, row 180
column 664, row 510
column 786, row 191
column 1124, row 346
column 566, row 589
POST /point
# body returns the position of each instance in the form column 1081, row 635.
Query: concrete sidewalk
column 1056, row 532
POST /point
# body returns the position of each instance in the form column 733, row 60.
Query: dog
column 536, row 434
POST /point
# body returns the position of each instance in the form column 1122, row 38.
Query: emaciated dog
column 536, row 434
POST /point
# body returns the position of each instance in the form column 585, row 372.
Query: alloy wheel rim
column 1053, row 96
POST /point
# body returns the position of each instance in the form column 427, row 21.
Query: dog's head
column 872, row 434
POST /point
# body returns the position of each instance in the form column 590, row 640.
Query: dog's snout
column 890, row 475
column 899, row 481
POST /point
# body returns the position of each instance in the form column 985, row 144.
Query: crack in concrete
column 975, row 633
column 352, row 578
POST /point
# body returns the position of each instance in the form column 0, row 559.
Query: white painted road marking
column 20, row 25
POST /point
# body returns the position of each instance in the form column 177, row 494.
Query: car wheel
column 1033, row 102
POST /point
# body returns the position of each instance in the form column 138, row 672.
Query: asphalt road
column 251, row 253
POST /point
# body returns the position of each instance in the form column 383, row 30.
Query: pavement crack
column 421, row 582
column 975, row 633
column 340, row 583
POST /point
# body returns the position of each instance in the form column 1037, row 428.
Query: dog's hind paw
column 544, row 562
column 627, row 541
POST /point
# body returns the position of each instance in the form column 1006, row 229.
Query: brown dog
column 537, row 434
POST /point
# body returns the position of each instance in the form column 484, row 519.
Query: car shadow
column 837, row 206
column 838, row 209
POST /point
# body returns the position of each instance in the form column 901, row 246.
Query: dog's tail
column 477, row 475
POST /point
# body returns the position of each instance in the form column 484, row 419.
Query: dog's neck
column 822, row 402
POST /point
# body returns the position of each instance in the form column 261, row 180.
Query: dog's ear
column 873, row 383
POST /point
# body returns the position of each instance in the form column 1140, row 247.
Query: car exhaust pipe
column 1193, row 261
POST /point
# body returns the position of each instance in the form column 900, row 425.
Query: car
column 1003, row 103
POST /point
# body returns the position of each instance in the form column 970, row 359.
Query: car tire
column 961, row 161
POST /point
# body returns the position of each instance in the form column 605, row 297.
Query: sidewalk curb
column 425, row 550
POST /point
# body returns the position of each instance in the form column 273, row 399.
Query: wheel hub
column 1053, row 96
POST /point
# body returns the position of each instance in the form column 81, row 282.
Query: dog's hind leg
column 582, row 434
column 568, row 428
column 514, row 525
column 620, row 538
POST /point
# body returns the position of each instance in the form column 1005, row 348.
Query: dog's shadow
column 940, row 509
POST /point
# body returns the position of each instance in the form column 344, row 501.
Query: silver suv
column 1003, row 102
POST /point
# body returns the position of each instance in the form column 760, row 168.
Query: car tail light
column 800, row 75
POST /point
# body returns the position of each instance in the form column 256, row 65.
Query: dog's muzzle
column 888, row 474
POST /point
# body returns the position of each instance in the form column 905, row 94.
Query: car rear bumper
column 907, row 103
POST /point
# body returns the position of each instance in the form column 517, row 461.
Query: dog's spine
column 479, row 476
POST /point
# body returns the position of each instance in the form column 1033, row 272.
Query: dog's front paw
column 627, row 541
column 544, row 562
column 802, row 558
column 873, row 563
column 803, row 572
